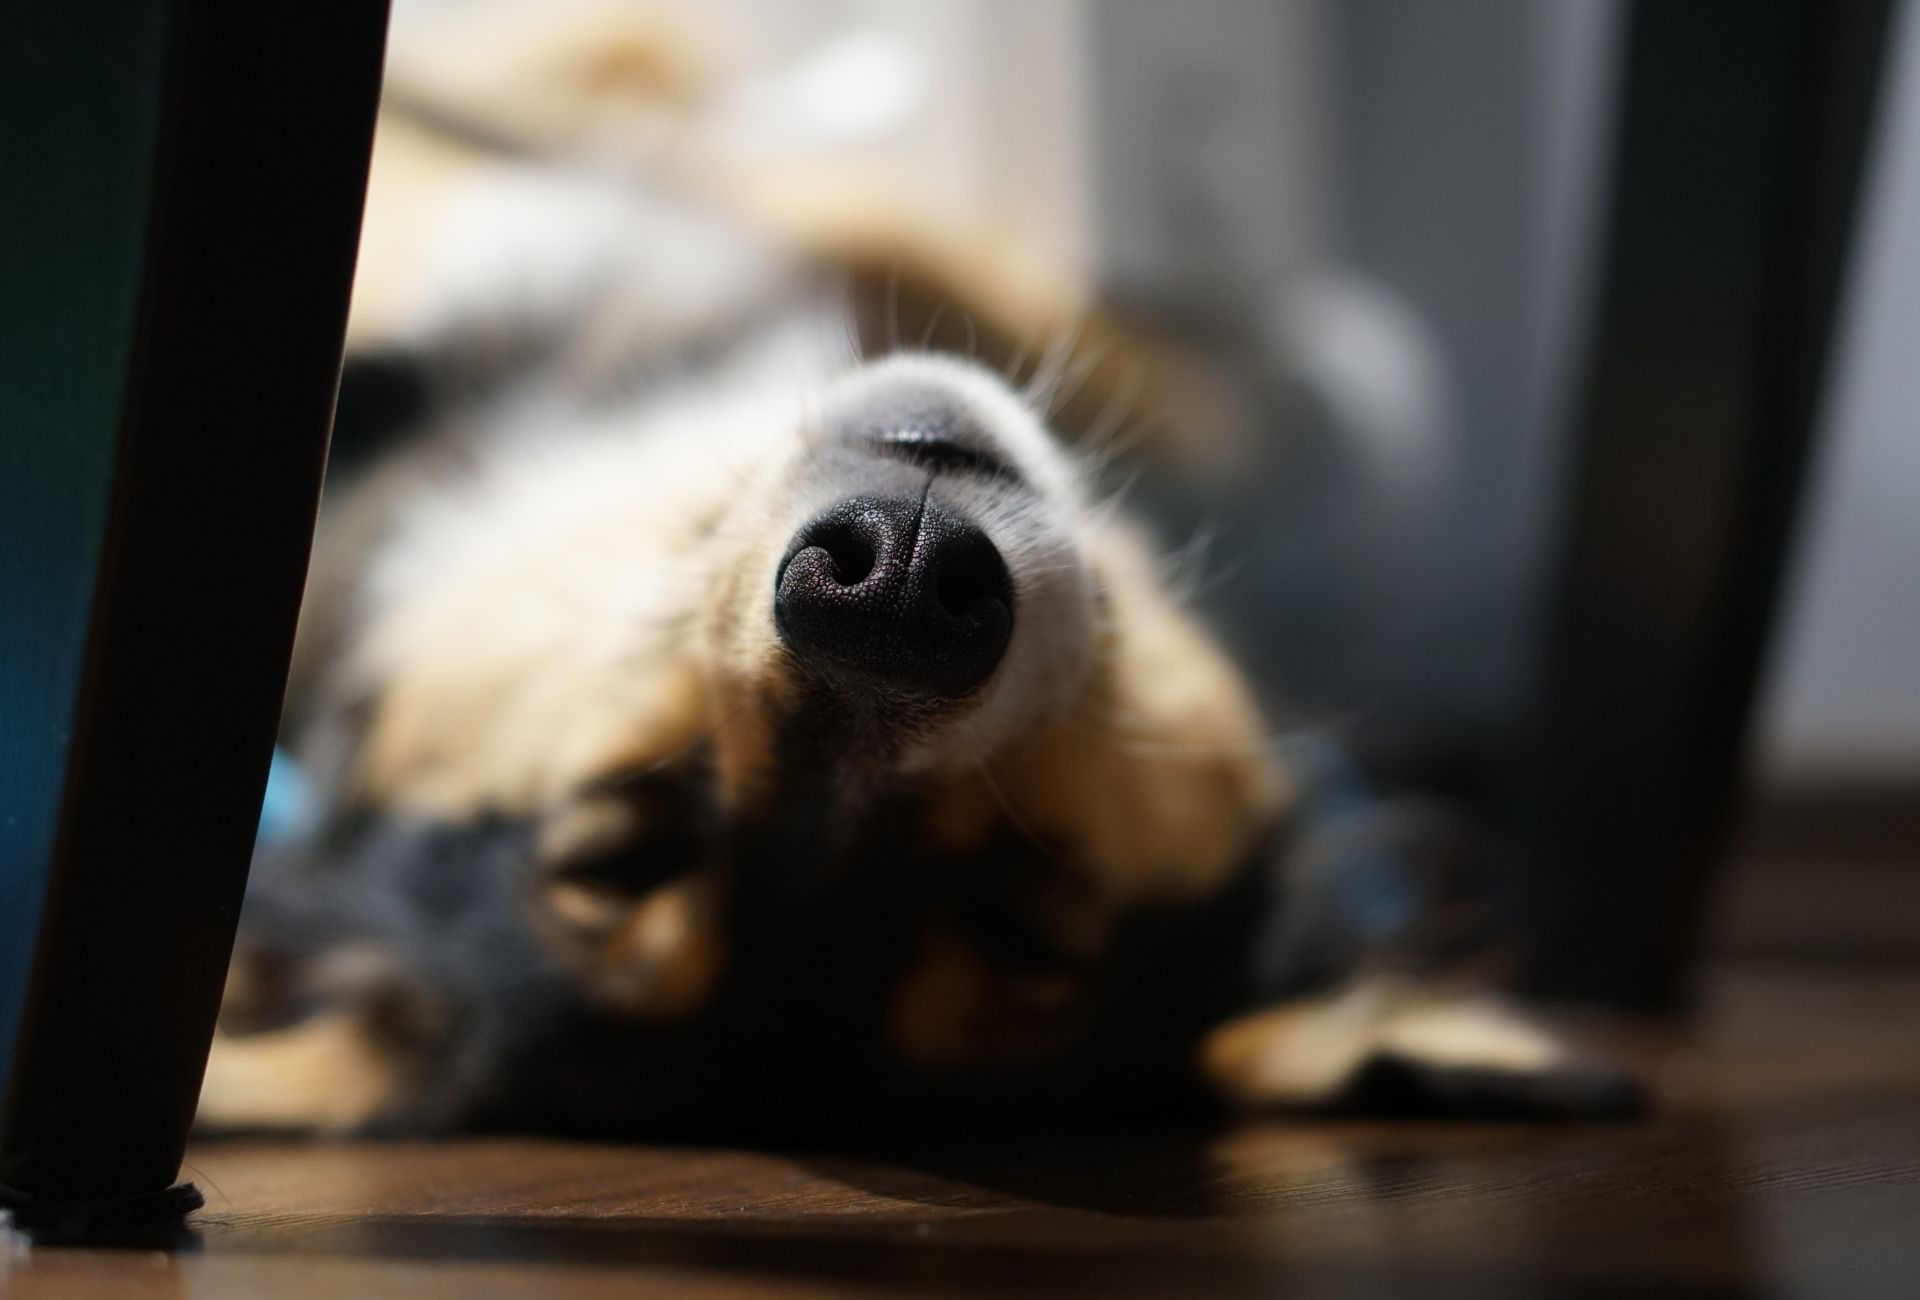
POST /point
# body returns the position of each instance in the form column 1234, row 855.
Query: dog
column 728, row 718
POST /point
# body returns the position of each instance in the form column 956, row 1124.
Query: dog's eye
column 628, row 837
column 629, row 901
column 944, row 455
column 632, row 868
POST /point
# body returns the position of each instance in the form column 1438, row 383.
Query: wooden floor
column 1786, row 1163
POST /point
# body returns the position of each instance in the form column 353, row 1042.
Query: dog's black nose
column 896, row 592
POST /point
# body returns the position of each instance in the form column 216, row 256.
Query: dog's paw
column 1389, row 1046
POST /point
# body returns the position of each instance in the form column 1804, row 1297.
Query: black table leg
column 1742, row 129
column 262, row 130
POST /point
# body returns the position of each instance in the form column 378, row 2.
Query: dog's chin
column 859, row 735
column 969, row 734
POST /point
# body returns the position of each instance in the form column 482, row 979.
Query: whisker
column 1016, row 821
column 1010, row 372
column 1100, row 439
column 1046, row 377
column 1075, row 377
column 893, row 308
column 1144, row 745
column 933, row 323
column 839, row 302
column 1204, row 585
column 1182, row 569
column 201, row 1174
column 1108, row 508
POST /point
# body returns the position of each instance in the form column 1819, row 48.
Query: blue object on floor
column 287, row 808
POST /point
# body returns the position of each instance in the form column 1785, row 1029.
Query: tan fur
column 436, row 747
column 515, row 667
column 424, row 753
column 1157, row 777
column 592, row 826
column 1303, row 1053
column 613, row 79
column 325, row 1075
column 415, row 176
column 748, row 678
column 657, row 957
column 954, row 1010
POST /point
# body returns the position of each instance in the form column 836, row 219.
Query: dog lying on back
column 716, row 732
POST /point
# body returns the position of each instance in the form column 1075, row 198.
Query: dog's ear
column 1389, row 1046
column 1156, row 780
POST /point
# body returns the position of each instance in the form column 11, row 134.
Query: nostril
column 898, row 592
column 851, row 554
column 971, row 572
column 956, row 593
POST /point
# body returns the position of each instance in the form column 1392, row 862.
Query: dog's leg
column 1386, row 1045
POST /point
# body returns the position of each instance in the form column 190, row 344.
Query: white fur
column 545, row 252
